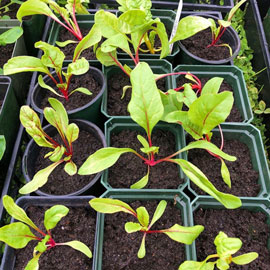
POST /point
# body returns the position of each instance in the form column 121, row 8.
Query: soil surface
column 198, row 43
column 69, row 49
column 79, row 224
column 77, row 99
column 6, row 53
column 116, row 82
column 120, row 248
column 129, row 168
column 241, row 170
column 249, row 226
column 59, row 182
column 12, row 9
column 235, row 115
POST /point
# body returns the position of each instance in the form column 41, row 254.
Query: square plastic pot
column 117, row 125
column 233, row 76
column 181, row 201
column 157, row 66
column 9, row 258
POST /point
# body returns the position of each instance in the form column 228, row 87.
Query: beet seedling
column 226, row 247
column 62, row 152
column 177, row 233
column 18, row 234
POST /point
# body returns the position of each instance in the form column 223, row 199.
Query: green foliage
column 10, row 36
column 57, row 117
column 2, row 146
column 8, row 7
column 18, row 234
column 177, row 233
column 226, row 247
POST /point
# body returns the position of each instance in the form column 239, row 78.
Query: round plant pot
column 229, row 37
column 89, row 111
column 32, row 151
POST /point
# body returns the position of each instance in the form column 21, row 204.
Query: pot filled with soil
column 59, row 182
column 78, row 105
column 79, row 224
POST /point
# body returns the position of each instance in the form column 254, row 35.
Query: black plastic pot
column 90, row 111
column 33, row 149
column 229, row 37
column 9, row 257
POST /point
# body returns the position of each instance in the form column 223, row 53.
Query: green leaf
column 81, row 90
column 41, row 246
column 110, row 206
column 182, row 234
column 114, row 42
column 131, row 227
column 145, row 106
column 17, row 212
column 222, row 264
column 11, row 35
column 225, row 24
column 189, row 26
column 170, row 102
column 54, row 215
column 57, row 154
column 262, row 105
column 225, row 173
column 142, row 182
column 80, row 247
column 245, row 258
column 102, row 159
column 141, row 252
column 148, row 150
column 65, row 43
column 143, row 141
column 24, row 64
column 2, row 146
column 70, row 168
column 33, row 263
column 105, row 58
column 199, row 179
column 15, row 233
column 189, row 95
column 212, row 86
column 79, row 6
column 46, row 86
column 143, row 216
column 131, row 21
column 40, row 179
column 158, row 212
column 234, row 9
column 78, row 67
column 192, row 265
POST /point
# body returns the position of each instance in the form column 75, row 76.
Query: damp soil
column 69, row 49
column 120, row 248
column 79, row 224
column 77, row 99
column 235, row 115
column 198, row 43
column 250, row 227
column 12, row 9
column 6, row 53
column 59, row 182
column 241, row 171
column 129, row 168
column 117, row 106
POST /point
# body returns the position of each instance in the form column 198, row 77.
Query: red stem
column 118, row 64
column 138, row 48
column 221, row 32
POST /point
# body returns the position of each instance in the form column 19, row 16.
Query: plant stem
column 118, row 64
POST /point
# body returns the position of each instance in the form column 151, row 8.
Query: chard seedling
column 2, row 146
column 226, row 247
column 18, row 234
column 51, row 9
column 146, row 109
column 6, row 8
column 191, row 25
column 62, row 152
column 177, row 233
column 53, row 58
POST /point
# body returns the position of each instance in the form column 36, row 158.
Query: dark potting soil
column 120, row 248
column 79, row 224
column 77, row 99
column 69, row 49
column 6, row 53
column 59, row 182
column 129, row 168
column 12, row 9
column 249, row 226
column 235, row 115
column 198, row 43
column 116, row 105
column 241, row 171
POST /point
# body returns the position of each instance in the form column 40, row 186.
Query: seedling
column 2, row 146
column 146, row 109
column 53, row 58
column 177, row 233
column 6, row 8
column 51, row 9
column 62, row 152
column 226, row 247
column 18, row 234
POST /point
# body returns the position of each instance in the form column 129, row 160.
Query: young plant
column 51, row 9
column 62, row 152
column 2, row 146
column 6, row 8
column 53, row 58
column 146, row 109
column 226, row 247
column 18, row 234
column 191, row 25
column 177, row 233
